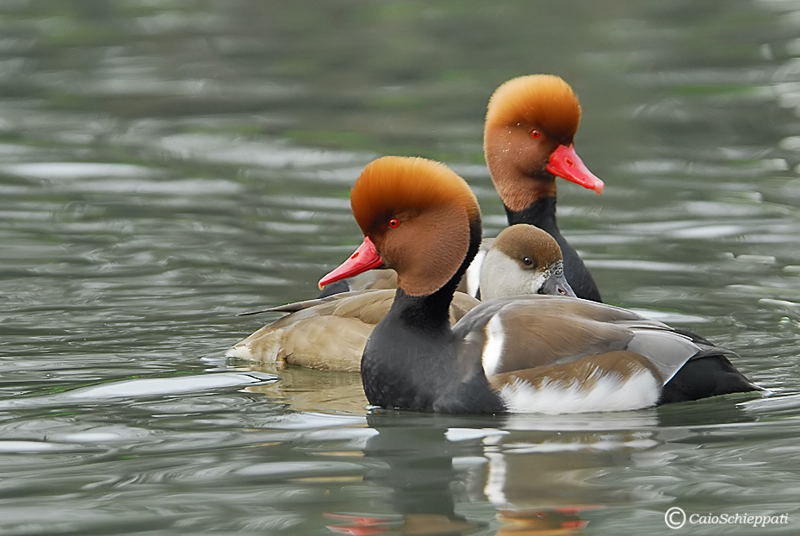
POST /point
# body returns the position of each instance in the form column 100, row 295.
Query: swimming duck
column 547, row 354
column 529, row 130
column 330, row 333
column 530, row 125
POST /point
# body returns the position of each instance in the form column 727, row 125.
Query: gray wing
column 537, row 331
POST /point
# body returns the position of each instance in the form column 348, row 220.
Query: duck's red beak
column 565, row 163
column 365, row 258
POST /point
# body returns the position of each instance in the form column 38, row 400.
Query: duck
column 529, row 132
column 523, row 354
column 528, row 141
column 330, row 333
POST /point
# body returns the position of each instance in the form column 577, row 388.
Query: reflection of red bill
column 574, row 510
column 563, row 521
column 406, row 524
column 359, row 525
column 357, row 531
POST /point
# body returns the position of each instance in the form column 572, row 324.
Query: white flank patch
column 493, row 347
column 609, row 393
column 474, row 273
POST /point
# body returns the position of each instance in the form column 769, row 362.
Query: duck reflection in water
column 421, row 486
column 425, row 470
column 513, row 474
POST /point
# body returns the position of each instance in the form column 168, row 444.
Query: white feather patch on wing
column 474, row 273
column 609, row 392
column 492, row 354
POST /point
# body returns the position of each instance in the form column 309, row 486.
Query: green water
column 165, row 165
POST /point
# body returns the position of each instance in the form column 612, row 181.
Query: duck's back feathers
column 514, row 334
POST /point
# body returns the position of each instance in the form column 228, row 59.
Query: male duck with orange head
column 528, row 142
column 530, row 125
column 545, row 354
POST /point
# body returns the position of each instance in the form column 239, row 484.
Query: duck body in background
column 547, row 354
column 327, row 333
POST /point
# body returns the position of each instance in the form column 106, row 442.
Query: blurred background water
column 167, row 164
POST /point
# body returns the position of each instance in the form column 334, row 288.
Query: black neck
column 432, row 312
column 411, row 360
column 541, row 213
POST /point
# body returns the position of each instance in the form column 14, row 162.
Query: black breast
column 405, row 367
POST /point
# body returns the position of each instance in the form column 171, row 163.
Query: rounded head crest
column 540, row 100
column 394, row 184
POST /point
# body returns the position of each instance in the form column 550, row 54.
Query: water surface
column 167, row 165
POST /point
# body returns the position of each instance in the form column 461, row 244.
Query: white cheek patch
column 501, row 276
column 609, row 392
column 492, row 355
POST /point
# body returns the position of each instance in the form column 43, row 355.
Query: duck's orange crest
column 392, row 184
column 541, row 101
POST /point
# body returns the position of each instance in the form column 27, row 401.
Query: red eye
column 535, row 134
column 393, row 223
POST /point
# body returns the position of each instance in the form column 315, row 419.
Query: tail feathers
column 703, row 376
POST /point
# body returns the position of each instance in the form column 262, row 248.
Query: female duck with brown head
column 523, row 259
column 528, row 142
column 525, row 354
